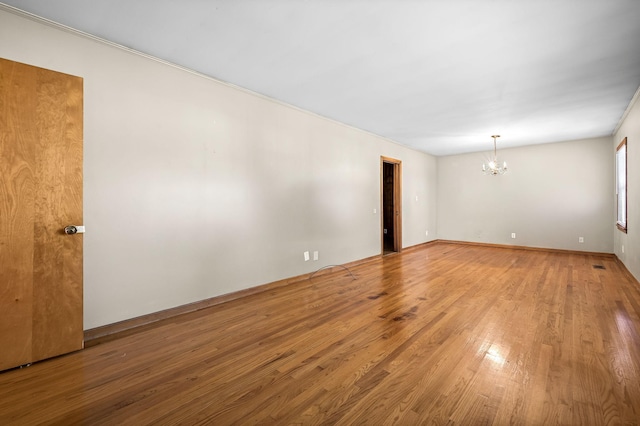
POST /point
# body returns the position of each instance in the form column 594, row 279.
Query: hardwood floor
column 443, row 334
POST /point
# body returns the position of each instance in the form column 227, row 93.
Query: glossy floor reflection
column 442, row 334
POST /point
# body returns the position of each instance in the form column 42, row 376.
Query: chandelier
column 493, row 167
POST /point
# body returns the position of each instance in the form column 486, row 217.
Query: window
column 621, row 185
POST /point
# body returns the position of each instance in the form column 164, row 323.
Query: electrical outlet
column 306, row 256
column 513, row 235
column 427, row 233
column 623, row 248
column 315, row 255
column 375, row 211
column 581, row 239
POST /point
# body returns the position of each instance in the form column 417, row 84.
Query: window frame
column 621, row 158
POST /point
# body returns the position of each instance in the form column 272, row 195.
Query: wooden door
column 40, row 193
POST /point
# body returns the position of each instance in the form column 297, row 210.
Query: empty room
column 319, row 212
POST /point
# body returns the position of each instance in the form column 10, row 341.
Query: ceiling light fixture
column 493, row 167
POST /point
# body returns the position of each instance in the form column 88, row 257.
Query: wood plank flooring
column 442, row 334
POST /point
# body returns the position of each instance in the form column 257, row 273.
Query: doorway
column 391, row 196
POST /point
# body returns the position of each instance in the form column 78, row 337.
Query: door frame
column 397, row 203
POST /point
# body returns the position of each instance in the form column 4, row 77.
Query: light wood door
column 40, row 194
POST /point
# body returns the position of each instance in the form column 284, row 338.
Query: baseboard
column 106, row 333
column 130, row 326
column 514, row 247
column 626, row 271
column 419, row 246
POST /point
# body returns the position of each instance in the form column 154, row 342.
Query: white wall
column 194, row 189
column 552, row 195
column 630, row 128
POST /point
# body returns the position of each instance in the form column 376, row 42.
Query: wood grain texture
column 17, row 187
column 57, row 322
column 41, row 192
column 443, row 334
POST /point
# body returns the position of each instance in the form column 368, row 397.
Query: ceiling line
column 632, row 102
column 56, row 25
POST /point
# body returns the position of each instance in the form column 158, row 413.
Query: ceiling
column 440, row 76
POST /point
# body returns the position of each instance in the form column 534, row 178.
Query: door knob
column 73, row 229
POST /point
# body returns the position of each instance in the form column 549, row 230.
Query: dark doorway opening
column 391, row 211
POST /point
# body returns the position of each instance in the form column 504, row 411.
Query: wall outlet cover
column 306, row 256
